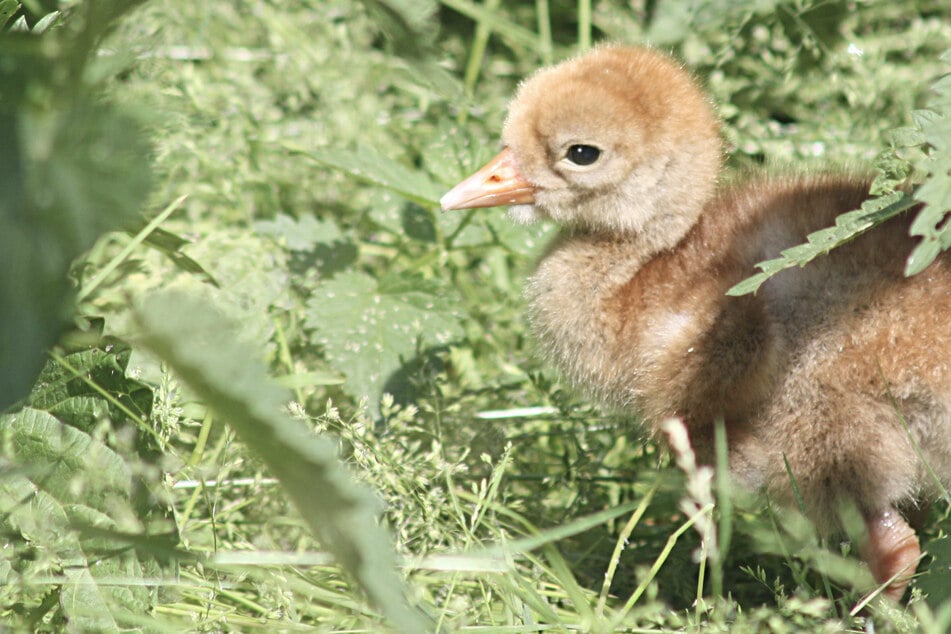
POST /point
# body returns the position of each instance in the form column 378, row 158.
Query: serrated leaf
column 369, row 329
column 906, row 136
column 935, row 580
column 40, row 518
column 61, row 391
column 769, row 267
column 83, row 603
column 927, row 220
column 65, row 459
column 847, row 227
column 299, row 234
column 935, row 193
column 314, row 242
column 199, row 344
column 749, row 285
column 67, row 477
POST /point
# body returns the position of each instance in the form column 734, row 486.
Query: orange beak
column 497, row 183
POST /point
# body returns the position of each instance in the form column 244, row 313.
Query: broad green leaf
column 66, row 462
column 370, row 329
column 72, row 168
column 935, row 581
column 86, row 172
column 68, row 481
column 299, row 234
column 72, row 388
column 199, row 344
column 68, row 179
column 41, row 519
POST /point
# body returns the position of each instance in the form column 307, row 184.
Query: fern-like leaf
column 847, row 227
column 930, row 140
column 935, row 193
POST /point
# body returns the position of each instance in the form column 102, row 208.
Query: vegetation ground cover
column 290, row 394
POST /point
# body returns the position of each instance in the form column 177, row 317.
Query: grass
column 297, row 151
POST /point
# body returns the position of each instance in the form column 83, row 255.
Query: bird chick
column 840, row 369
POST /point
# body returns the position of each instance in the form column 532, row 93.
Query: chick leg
column 891, row 549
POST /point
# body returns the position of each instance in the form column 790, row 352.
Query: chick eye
column 583, row 154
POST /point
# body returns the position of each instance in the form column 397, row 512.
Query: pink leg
column 892, row 549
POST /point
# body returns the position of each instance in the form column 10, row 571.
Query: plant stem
column 584, row 25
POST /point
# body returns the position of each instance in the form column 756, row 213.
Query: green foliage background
column 195, row 197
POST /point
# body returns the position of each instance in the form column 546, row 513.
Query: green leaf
column 934, row 127
column 68, row 480
column 7, row 9
column 847, row 227
column 906, row 137
column 299, row 234
column 378, row 169
column 41, row 519
column 508, row 30
column 199, row 344
column 66, row 179
column 72, row 168
column 73, row 389
column 86, row 387
column 406, row 23
column 171, row 245
column 370, row 329
column 67, row 461
column 935, row 581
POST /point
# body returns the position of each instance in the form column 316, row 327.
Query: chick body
column 838, row 369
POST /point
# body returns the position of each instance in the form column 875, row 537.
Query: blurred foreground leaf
column 199, row 344
column 72, row 168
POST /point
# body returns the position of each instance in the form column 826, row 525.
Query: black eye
column 583, row 154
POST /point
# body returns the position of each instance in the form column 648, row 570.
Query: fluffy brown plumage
column 821, row 367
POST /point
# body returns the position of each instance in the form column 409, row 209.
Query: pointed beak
column 497, row 183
